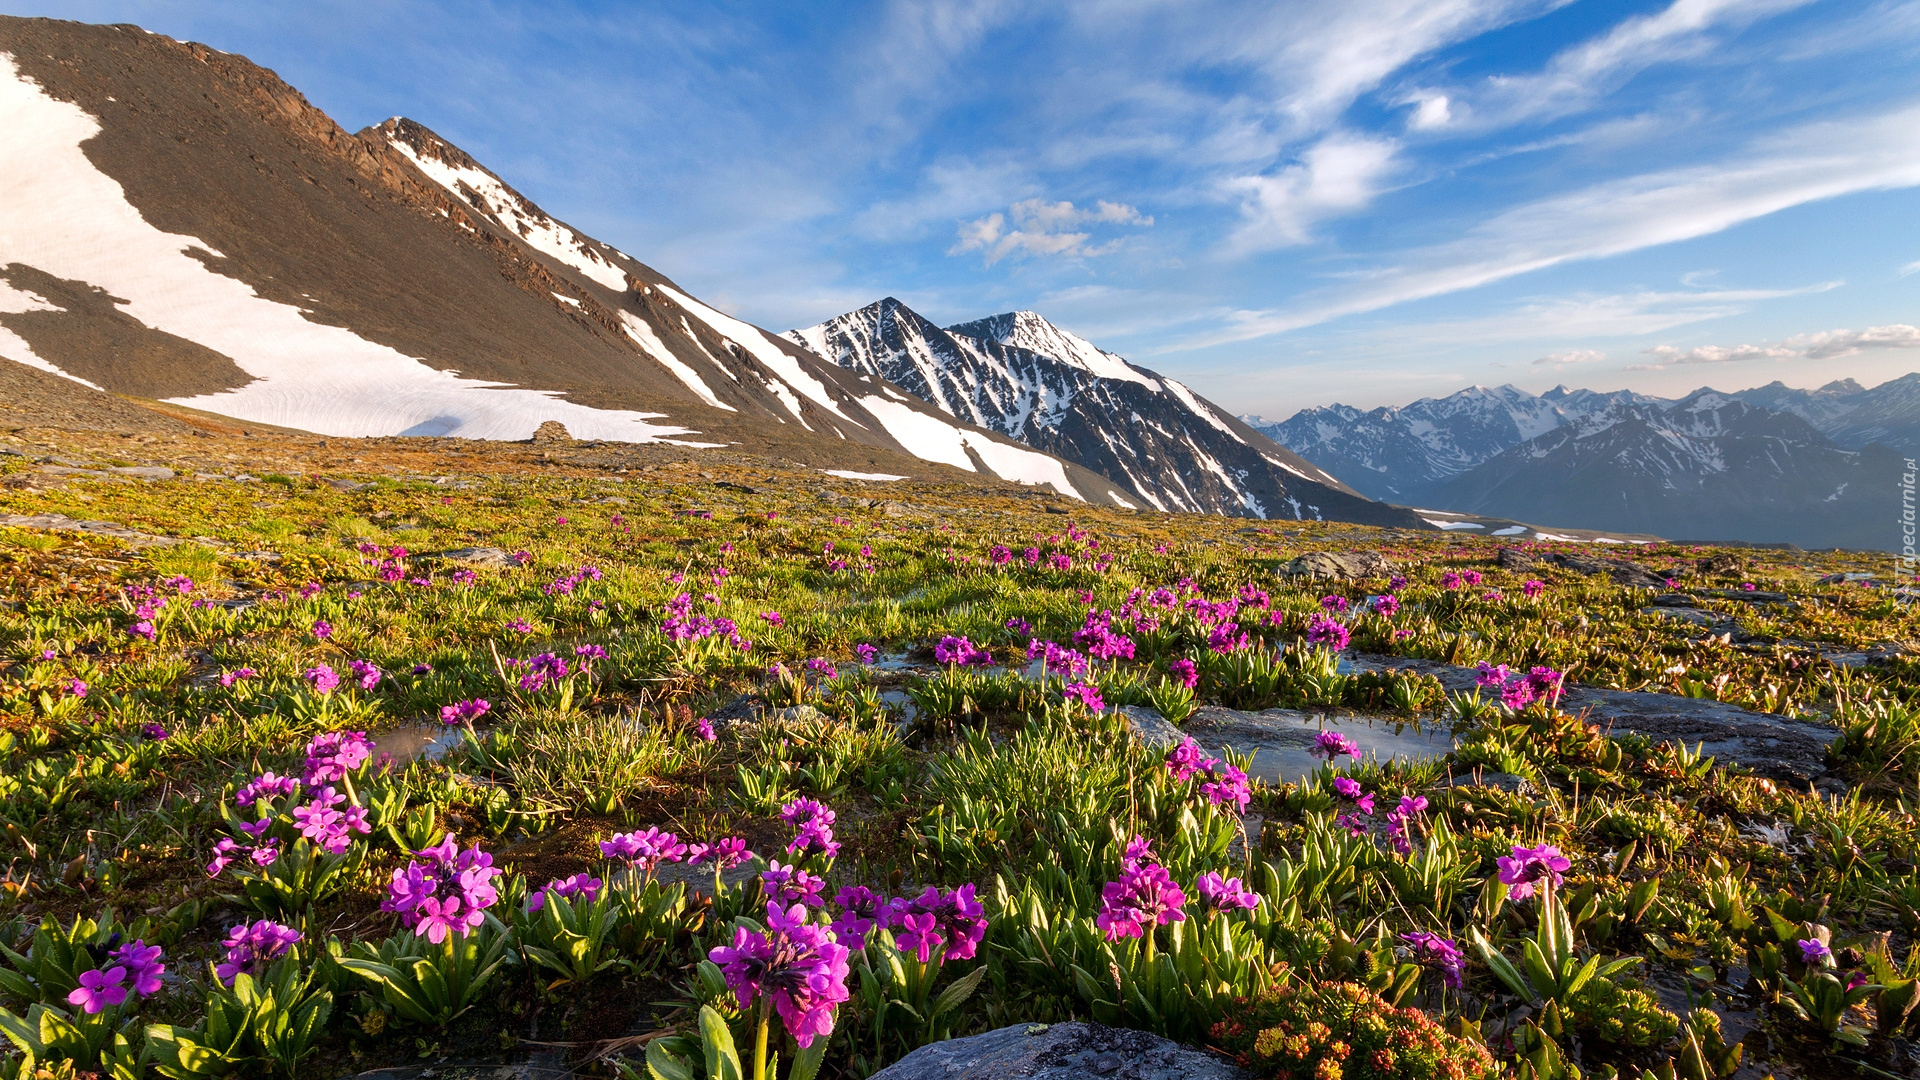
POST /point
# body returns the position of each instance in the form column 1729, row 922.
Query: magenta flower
column 228, row 678
column 1143, row 898
column 367, row 675
column 447, row 893
column 1328, row 634
column 1432, row 950
column 1086, row 694
column 866, row 653
column 324, row 679
column 727, row 853
column 703, row 727
column 1491, row 676
column 1185, row 672
column 265, row 786
column 322, row 629
column 143, row 964
column 332, row 755
column 644, row 850
column 153, row 731
column 1535, row 587
column 566, row 888
column 792, row 885
column 814, row 828
column 953, row 921
column 1224, row 894
column 99, row 990
column 1350, row 790
column 1332, row 744
column 799, row 967
column 1471, row 577
column 773, row 618
column 1333, row 605
column 1226, row 784
column 77, row 687
column 465, row 712
column 1450, row 579
column 861, row 909
column 958, row 650
column 1813, row 951
column 1184, row 760
column 250, row 948
column 1527, row 868
column 1385, row 604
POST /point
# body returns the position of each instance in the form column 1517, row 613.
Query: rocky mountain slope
column 1021, row 376
column 1709, row 466
column 180, row 224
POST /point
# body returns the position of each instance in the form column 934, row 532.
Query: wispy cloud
column 1562, row 360
column 1910, row 268
column 1816, row 161
column 1038, row 227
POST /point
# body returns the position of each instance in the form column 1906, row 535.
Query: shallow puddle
column 1282, row 741
column 412, row 742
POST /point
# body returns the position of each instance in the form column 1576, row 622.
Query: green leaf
column 807, row 1065
column 960, row 991
column 723, row 1061
column 662, row 1064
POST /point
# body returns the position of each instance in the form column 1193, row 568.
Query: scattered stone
column 137, row 472
column 1623, row 572
column 1694, row 615
column 1056, row 508
column 1725, row 562
column 797, row 714
column 1347, row 566
column 346, row 486
column 1070, row 1051
column 478, row 556
column 550, row 432
column 1843, row 579
column 1513, row 559
column 1150, row 727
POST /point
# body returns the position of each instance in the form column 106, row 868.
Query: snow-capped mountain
column 1820, row 407
column 1020, row 375
column 1708, row 467
column 1400, row 453
column 180, row 224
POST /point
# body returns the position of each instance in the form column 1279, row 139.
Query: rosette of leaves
column 1345, row 1030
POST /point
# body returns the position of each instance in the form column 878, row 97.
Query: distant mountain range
column 1771, row 464
column 1022, row 376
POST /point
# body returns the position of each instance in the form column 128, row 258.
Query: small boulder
column 551, row 431
column 1514, row 559
column 1070, row 1051
column 478, row 556
column 1725, row 562
column 1150, row 727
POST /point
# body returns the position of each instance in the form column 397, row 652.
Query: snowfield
column 67, row 218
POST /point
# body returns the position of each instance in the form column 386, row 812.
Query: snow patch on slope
column 14, row 347
column 67, row 218
column 641, row 331
column 933, row 439
column 540, row 232
column 755, row 341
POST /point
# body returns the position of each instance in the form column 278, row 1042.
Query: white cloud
column 1040, row 227
column 1430, row 112
column 1340, row 173
column 1828, row 345
column 1835, row 343
column 1910, row 268
column 1562, row 360
column 1814, row 162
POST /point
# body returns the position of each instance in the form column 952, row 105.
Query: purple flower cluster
column 1227, row 638
column 250, row 948
column 1328, row 633
column 1532, row 588
column 951, row 924
column 1386, row 604
column 135, row 969
column 958, row 650
column 1086, row 694
column 1100, row 640
column 1349, row 789
column 329, row 827
column 446, row 894
column 1332, row 744
column 1432, row 950
column 325, row 680
column 724, row 854
column 564, row 586
column 1185, row 672
column 1517, row 691
column 541, row 670
column 228, row 678
column 148, row 604
column 644, row 850
column 798, row 966
column 1219, row 894
column 465, row 712
column 367, row 675
column 566, row 888
column 1057, row 659
column 1144, row 897
column 866, row 653
column 1528, row 870
column 1184, row 760
column 791, row 885
column 813, row 828
column 683, row 624
column 331, row 755
column 1401, row 818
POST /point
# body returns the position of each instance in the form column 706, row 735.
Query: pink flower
column 1527, row 868
column 1185, row 672
column 99, row 990
column 799, row 966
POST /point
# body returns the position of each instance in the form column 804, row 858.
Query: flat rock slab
column 1282, row 740
column 1772, row 746
column 1072, row 1051
column 63, row 523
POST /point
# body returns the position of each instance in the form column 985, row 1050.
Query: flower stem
column 760, row 1043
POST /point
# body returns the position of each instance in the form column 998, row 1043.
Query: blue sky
column 1283, row 203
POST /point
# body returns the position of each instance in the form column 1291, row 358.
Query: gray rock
column 1150, row 727
column 143, row 472
column 63, row 523
column 797, row 714
column 1694, row 615
column 1507, row 782
column 551, row 431
column 478, row 556
column 1071, row 1051
column 1340, row 566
